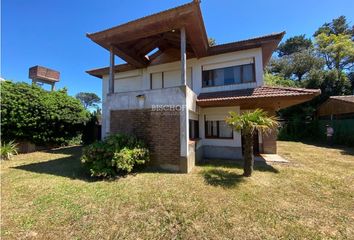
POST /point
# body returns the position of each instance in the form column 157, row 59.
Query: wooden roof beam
column 155, row 55
column 149, row 25
column 200, row 48
column 150, row 46
column 200, row 45
column 131, row 57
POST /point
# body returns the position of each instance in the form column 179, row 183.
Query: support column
column 111, row 71
column 270, row 139
column 185, row 165
column 105, row 106
column 183, row 57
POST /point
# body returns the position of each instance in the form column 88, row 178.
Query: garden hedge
column 30, row 113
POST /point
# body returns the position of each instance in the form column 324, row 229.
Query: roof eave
column 187, row 16
column 268, row 43
column 219, row 49
column 270, row 101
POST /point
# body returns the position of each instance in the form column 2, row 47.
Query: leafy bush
column 44, row 118
column 117, row 154
column 8, row 150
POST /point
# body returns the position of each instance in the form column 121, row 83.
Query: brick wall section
column 160, row 130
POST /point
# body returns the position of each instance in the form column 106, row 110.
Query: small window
column 218, row 129
column 193, row 129
column 229, row 75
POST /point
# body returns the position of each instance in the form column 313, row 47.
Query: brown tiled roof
column 348, row 98
column 259, row 92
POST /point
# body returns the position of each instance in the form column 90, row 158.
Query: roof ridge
column 345, row 98
column 252, row 38
column 341, row 96
column 293, row 88
column 258, row 92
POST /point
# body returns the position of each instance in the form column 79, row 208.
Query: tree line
column 325, row 61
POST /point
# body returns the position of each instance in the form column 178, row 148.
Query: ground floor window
column 218, row 129
column 193, row 129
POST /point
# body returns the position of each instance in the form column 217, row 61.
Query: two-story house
column 175, row 91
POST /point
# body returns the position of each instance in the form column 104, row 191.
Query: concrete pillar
column 106, row 121
column 111, row 71
column 183, row 57
column 270, row 139
column 185, row 164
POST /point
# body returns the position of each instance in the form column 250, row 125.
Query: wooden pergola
column 168, row 36
column 177, row 28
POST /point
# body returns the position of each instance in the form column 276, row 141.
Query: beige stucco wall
column 141, row 77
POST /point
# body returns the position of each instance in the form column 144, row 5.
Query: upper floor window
column 229, row 75
column 170, row 78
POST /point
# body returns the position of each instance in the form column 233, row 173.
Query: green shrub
column 127, row 158
column 8, row 150
column 117, row 154
column 30, row 113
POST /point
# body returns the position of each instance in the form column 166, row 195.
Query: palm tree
column 250, row 122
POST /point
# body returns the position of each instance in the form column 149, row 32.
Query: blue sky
column 52, row 32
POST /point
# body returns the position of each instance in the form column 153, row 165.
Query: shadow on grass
column 215, row 176
column 258, row 165
column 69, row 167
column 219, row 177
column 344, row 150
column 347, row 151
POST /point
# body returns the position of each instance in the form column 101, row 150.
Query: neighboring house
column 338, row 112
column 175, row 90
column 337, row 107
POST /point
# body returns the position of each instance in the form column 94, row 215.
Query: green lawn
column 47, row 195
